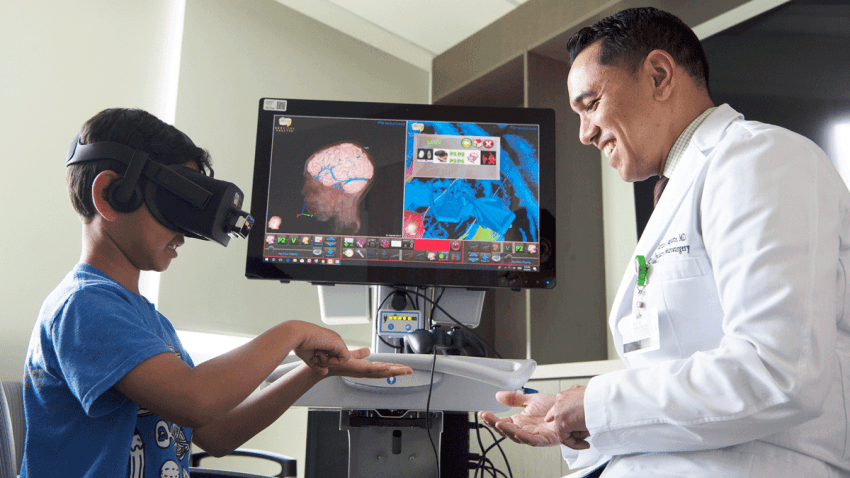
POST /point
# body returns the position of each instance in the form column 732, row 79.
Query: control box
column 397, row 323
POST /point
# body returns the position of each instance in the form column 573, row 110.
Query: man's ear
column 660, row 67
column 99, row 189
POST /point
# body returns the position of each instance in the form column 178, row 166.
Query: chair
column 12, row 428
column 287, row 464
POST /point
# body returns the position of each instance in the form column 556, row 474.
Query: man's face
column 618, row 115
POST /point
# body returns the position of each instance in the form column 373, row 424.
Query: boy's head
column 136, row 129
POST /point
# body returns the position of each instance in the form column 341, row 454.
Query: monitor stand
column 388, row 420
column 329, row 440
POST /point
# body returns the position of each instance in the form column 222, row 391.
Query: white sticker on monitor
column 274, row 105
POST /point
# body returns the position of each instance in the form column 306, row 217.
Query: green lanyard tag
column 642, row 269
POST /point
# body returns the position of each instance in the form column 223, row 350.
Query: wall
column 65, row 61
column 62, row 62
column 233, row 54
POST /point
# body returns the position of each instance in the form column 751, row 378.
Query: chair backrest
column 8, row 456
column 14, row 392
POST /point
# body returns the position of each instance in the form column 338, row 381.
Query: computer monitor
column 403, row 195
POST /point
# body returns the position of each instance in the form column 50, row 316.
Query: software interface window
column 440, row 194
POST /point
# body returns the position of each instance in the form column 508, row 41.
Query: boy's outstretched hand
column 319, row 347
column 357, row 366
column 324, row 351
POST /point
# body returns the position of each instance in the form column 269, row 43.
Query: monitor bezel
column 471, row 278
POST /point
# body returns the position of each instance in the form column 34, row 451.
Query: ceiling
column 414, row 30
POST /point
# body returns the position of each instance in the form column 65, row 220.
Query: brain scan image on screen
column 336, row 177
column 275, row 222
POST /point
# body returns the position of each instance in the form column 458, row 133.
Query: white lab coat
column 751, row 249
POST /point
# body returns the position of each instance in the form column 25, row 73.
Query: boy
column 108, row 388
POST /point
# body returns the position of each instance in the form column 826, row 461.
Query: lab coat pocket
column 653, row 299
column 691, row 304
column 670, row 270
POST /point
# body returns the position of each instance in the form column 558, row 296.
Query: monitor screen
column 398, row 194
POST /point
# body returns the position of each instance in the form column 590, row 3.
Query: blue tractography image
column 504, row 209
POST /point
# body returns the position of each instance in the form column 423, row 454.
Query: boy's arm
column 214, row 398
column 195, row 397
column 255, row 413
column 262, row 408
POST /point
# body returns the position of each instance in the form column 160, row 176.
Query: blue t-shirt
column 90, row 332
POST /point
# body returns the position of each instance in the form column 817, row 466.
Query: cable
column 484, row 453
column 428, row 413
column 397, row 347
column 413, row 300
column 436, row 305
column 493, row 470
column 496, row 443
column 436, row 301
column 478, row 436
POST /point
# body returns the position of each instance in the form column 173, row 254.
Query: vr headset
column 179, row 197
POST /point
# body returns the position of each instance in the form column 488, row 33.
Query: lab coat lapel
column 674, row 194
column 690, row 164
column 677, row 189
column 658, row 224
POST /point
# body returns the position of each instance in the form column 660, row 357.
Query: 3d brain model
column 336, row 178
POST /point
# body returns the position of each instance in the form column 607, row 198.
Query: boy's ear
column 99, row 194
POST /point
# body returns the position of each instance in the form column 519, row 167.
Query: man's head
column 638, row 78
column 627, row 37
column 136, row 129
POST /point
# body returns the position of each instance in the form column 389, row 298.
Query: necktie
column 659, row 188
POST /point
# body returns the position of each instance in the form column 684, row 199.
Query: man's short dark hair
column 630, row 35
column 137, row 129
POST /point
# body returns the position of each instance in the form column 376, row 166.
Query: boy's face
column 149, row 245
column 146, row 243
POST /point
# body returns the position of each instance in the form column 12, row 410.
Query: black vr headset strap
column 80, row 153
column 138, row 165
column 126, row 187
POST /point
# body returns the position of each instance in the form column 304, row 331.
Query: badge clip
column 642, row 269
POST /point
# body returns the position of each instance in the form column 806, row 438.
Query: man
column 732, row 322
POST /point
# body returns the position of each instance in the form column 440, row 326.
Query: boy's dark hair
column 628, row 37
column 137, row 129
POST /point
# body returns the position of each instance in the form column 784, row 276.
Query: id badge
column 640, row 331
